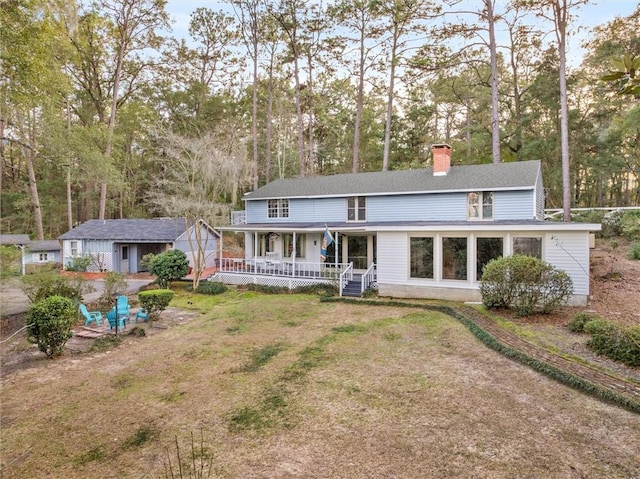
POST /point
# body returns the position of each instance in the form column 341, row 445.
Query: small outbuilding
column 120, row 244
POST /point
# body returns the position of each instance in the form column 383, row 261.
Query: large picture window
column 454, row 258
column 486, row 250
column 278, row 208
column 529, row 246
column 480, row 205
column 421, row 250
column 357, row 208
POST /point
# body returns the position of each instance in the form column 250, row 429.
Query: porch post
column 336, row 246
column 294, row 253
column 220, row 256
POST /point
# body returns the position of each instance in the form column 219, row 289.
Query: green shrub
column 321, row 289
column 631, row 225
column 115, row 284
column 49, row 324
column 576, row 325
column 264, row 288
column 211, row 287
column 10, row 261
column 619, row 344
column 634, row 251
column 524, row 283
column 49, row 283
column 169, row 266
column 155, row 301
column 79, row 263
column 611, row 225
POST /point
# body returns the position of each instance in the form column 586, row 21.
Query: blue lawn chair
column 142, row 314
column 111, row 317
column 90, row 316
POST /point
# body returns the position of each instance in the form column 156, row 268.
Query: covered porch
column 288, row 256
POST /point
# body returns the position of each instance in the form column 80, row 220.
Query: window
column 421, row 251
column 486, row 250
column 528, row 246
column 299, row 247
column 278, row 208
column 43, row 257
column 74, row 248
column 454, row 258
column 357, row 208
column 480, row 205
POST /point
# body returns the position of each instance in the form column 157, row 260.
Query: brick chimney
column 441, row 159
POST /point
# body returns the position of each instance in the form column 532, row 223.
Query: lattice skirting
column 279, row 281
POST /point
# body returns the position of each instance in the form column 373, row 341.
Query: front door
column 361, row 251
column 124, row 259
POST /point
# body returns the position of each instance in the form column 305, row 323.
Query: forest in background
column 103, row 114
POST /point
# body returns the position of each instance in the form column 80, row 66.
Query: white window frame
column 43, row 257
column 74, row 248
column 476, row 203
column 357, row 204
column 278, row 208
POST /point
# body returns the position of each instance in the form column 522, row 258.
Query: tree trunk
column 560, row 14
column 392, row 78
column 359, row 106
column 495, row 112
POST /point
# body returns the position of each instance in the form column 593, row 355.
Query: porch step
column 352, row 288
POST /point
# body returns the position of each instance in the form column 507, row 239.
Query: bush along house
column 424, row 233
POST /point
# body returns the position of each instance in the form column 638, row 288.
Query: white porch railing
column 283, row 268
column 238, row 217
column 345, row 277
column 368, row 277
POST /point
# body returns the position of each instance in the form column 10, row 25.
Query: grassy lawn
column 286, row 386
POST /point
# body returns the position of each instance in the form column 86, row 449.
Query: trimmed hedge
column 155, row 301
column 211, row 287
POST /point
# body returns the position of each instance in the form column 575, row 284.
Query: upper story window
column 480, row 205
column 278, row 208
column 357, row 208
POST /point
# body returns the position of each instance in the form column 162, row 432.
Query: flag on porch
column 327, row 239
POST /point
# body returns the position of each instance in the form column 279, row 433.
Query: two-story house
column 423, row 233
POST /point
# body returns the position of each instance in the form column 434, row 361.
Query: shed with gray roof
column 120, row 244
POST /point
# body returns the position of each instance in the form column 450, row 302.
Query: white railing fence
column 368, row 277
column 345, row 277
column 276, row 267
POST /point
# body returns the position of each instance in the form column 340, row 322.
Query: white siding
column 513, row 205
column 570, row 252
column 393, row 257
column 429, row 207
column 300, row 210
column 539, row 197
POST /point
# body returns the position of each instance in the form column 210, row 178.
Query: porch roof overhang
column 372, row 227
column 295, row 227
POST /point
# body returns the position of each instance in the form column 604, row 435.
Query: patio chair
column 111, row 317
column 142, row 314
column 123, row 305
column 90, row 316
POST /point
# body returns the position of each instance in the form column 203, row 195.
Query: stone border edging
column 622, row 393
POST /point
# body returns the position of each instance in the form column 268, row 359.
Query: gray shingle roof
column 159, row 230
column 14, row 239
column 45, row 245
column 516, row 175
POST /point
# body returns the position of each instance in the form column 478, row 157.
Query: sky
column 594, row 13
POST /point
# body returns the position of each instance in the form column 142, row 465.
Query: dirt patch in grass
column 357, row 392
